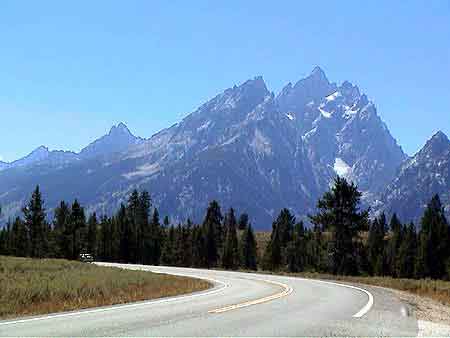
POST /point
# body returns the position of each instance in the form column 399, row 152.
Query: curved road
column 240, row 304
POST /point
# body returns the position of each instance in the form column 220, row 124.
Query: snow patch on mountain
column 341, row 168
column 333, row 96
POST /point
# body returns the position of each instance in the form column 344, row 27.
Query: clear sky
column 69, row 70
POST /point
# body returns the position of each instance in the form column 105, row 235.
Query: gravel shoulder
column 433, row 317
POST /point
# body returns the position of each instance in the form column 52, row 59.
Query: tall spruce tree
column 339, row 213
column 77, row 225
column 199, row 259
column 168, row 251
column 213, row 234
column 248, row 249
column 19, row 241
column 34, row 218
column 243, row 221
column 434, row 239
column 230, row 257
column 62, row 232
column 133, row 214
column 296, row 249
column 408, row 252
column 126, row 234
column 393, row 246
column 186, row 244
column 153, row 245
column 272, row 259
column 92, row 235
column 143, row 226
column 375, row 246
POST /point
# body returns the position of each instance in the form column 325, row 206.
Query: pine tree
column 105, row 239
column 126, row 234
column 168, row 251
column 186, row 244
column 34, row 216
column 243, row 222
column 199, row 259
column 144, row 228
column 296, row 249
column 248, row 249
column 177, row 251
column 62, row 232
column 92, row 235
column 166, row 222
column 375, row 246
column 408, row 252
column 285, row 226
column 212, row 232
column 434, row 243
column 133, row 214
column 272, row 255
column 230, row 257
column 19, row 239
column 339, row 213
column 4, row 242
column 78, row 229
column 393, row 246
column 154, row 243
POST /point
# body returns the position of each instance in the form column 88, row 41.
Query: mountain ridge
column 246, row 147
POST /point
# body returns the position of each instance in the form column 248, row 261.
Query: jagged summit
column 435, row 146
column 117, row 140
column 421, row 177
column 318, row 73
column 121, row 128
column 439, row 136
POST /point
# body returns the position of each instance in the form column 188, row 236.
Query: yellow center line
column 287, row 290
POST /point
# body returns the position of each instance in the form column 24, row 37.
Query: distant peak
column 318, row 74
column 40, row 149
column 440, row 135
column 436, row 145
column 317, row 71
column 120, row 128
column 439, row 138
column 257, row 82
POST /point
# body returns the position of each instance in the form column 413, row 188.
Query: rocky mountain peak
column 120, row 129
column 118, row 139
column 436, row 146
column 311, row 88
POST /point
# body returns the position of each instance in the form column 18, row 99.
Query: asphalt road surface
column 240, row 304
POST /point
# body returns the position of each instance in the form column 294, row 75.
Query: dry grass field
column 32, row 286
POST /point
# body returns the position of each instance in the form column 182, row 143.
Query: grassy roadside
column 437, row 290
column 32, row 286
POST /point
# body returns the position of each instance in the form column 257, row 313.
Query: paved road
column 240, row 304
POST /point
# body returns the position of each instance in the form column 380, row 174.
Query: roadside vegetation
column 438, row 290
column 41, row 286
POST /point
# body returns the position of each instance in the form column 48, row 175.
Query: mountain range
column 247, row 148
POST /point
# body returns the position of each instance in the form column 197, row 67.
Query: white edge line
column 132, row 305
column 363, row 310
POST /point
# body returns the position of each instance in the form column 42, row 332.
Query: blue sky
column 70, row 70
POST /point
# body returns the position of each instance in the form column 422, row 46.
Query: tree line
column 134, row 234
column 342, row 239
